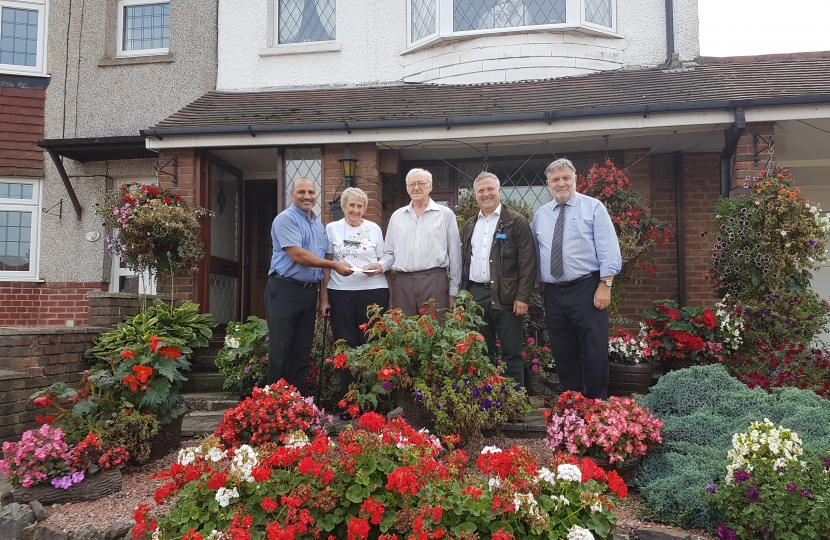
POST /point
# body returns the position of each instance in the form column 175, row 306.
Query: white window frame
column 120, row 52
column 41, row 6
column 146, row 280
column 32, row 205
column 574, row 14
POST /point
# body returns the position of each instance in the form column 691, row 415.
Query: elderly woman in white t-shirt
column 358, row 242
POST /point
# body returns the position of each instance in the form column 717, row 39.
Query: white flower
column 562, row 499
column 547, row 475
column 568, row 472
column 232, row 342
column 224, row 496
column 527, row 501
column 579, row 533
column 214, row 535
column 783, row 233
column 216, row 454
column 596, row 507
column 157, row 535
column 244, row 461
column 490, row 450
column 296, row 439
column 494, row 483
column 187, row 455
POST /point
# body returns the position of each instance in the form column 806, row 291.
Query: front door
column 261, row 207
column 225, row 283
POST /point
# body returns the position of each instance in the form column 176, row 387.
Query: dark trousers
column 508, row 327
column 578, row 337
column 291, row 313
column 410, row 290
column 348, row 312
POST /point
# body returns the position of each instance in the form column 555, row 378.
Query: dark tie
column 556, row 246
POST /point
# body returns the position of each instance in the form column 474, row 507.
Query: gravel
column 139, row 488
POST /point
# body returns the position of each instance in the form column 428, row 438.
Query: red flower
column 127, row 353
column 48, row 419
column 142, row 373
column 358, row 528
column 502, row 535
column 674, row 314
column 709, row 318
column 154, row 343
column 373, row 510
column 43, row 401
column 170, row 352
column 461, row 347
column 473, row 492
column 192, row 535
column 403, row 480
column 617, row 485
column 217, row 481
column 269, row 504
column 372, row 421
column 132, row 381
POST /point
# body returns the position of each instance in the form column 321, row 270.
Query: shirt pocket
column 585, row 241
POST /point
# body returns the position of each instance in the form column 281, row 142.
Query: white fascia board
column 558, row 130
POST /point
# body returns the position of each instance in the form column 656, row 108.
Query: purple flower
column 467, row 383
column 387, row 385
column 711, row 488
column 476, row 392
column 812, row 244
column 741, row 476
column 77, row 477
column 752, row 493
column 488, row 388
column 826, row 461
column 781, row 469
column 247, row 368
column 498, row 404
column 792, row 487
column 726, row 533
column 486, row 404
column 439, row 407
column 419, row 395
column 805, row 493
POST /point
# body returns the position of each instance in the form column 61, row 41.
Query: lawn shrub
column 702, row 408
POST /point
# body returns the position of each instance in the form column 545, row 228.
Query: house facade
column 113, row 67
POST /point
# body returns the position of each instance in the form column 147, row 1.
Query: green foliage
column 702, row 408
column 244, row 358
column 184, row 322
column 467, row 207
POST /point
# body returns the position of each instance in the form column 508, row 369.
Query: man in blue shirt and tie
column 579, row 255
column 291, row 299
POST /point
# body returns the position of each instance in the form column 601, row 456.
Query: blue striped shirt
column 589, row 242
column 292, row 228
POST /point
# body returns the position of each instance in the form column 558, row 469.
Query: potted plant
column 423, row 356
column 682, row 337
column 630, row 366
column 536, row 357
column 43, row 467
column 615, row 433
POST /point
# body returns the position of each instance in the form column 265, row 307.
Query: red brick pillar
column 751, row 155
column 368, row 178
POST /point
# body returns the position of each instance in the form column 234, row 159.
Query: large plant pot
column 673, row 364
column 92, row 488
column 627, row 379
column 414, row 412
column 627, row 471
column 168, row 438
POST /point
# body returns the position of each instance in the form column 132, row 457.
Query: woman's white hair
column 354, row 192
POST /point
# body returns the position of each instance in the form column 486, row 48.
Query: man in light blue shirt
column 291, row 299
column 579, row 255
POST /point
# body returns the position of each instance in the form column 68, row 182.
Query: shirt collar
column 431, row 205
column 304, row 215
column 496, row 212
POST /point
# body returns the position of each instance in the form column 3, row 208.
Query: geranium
column 626, row 348
column 153, row 228
column 394, row 483
column 617, row 429
column 763, row 441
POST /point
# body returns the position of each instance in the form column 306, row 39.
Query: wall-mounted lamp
column 349, row 163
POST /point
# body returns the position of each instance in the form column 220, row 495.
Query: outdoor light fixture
column 348, row 163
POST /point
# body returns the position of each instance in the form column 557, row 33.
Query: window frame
column 119, row 31
column 310, row 46
column 574, row 19
column 41, row 6
column 32, row 205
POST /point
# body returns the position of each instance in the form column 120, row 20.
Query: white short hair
column 413, row 172
column 356, row 193
column 560, row 163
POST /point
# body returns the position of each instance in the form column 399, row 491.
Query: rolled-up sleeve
column 286, row 231
column 606, row 243
column 388, row 258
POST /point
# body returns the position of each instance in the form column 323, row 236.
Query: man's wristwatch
column 608, row 282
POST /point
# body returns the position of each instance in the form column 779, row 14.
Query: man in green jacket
column 498, row 256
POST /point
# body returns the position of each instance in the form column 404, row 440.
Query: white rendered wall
column 371, row 36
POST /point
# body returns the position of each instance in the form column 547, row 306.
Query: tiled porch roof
column 713, row 84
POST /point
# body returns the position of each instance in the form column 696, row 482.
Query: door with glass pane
column 225, row 269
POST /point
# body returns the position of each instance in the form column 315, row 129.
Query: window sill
column 134, row 60
column 301, row 48
column 472, row 34
column 10, row 278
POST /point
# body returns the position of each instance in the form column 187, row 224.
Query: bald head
column 303, row 194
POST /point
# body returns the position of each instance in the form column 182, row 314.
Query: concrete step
column 203, row 382
column 198, row 423
column 210, row 401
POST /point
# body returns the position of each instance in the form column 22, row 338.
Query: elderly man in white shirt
column 423, row 249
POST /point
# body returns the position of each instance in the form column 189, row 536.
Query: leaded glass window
column 487, row 14
column 305, row 163
column 302, row 21
column 145, row 27
column 422, row 19
column 18, row 36
column 598, row 12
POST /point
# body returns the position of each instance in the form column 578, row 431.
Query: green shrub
column 702, row 408
column 183, row 322
column 244, row 358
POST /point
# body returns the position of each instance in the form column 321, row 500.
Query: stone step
column 203, row 382
column 198, row 423
column 210, row 401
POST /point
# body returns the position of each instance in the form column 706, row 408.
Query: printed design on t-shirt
column 355, row 243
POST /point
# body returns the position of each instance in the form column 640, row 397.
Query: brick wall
column 746, row 162
column 45, row 303
column 32, row 359
column 368, row 178
column 21, row 126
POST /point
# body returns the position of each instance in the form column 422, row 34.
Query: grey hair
column 413, row 172
column 560, row 163
column 484, row 175
column 354, row 192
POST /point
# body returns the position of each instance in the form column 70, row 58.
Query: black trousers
column 291, row 313
column 508, row 327
column 348, row 312
column 578, row 337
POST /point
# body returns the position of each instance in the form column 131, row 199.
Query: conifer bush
column 702, row 408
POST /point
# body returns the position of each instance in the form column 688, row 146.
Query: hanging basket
column 627, row 379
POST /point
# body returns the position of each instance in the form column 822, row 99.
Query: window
column 22, row 36
column 432, row 19
column 305, row 163
column 303, row 21
column 125, row 280
column 19, row 223
column 143, row 27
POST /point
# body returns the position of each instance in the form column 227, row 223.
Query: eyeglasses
column 421, row 185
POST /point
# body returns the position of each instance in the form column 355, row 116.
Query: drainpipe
column 731, row 136
column 681, row 229
column 672, row 57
